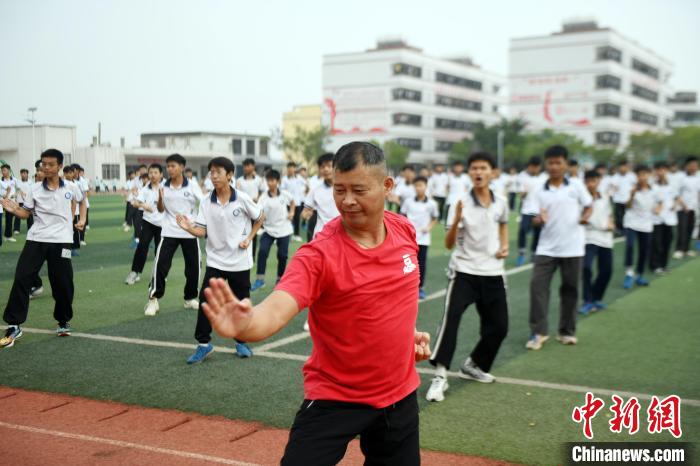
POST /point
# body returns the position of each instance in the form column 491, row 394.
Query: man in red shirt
column 359, row 278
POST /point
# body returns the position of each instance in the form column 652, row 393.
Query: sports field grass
column 646, row 343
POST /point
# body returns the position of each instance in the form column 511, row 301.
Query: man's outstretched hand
column 228, row 315
column 422, row 345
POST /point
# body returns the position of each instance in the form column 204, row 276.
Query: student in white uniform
column 278, row 207
column 599, row 246
column 498, row 183
column 437, row 187
column 664, row 221
column 143, row 181
column 530, row 181
column 178, row 196
column 689, row 191
column 295, row 185
column 564, row 206
column 253, row 185
column 513, row 187
column 8, row 190
column 644, row 202
column 22, row 186
column 604, row 184
column 85, row 188
column 320, row 199
column 147, row 201
column 478, row 231
column 423, row 214
column 68, row 177
column 458, row 183
column 404, row 189
column 49, row 240
column 621, row 184
column 224, row 218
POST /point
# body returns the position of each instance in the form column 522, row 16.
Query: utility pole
column 32, row 120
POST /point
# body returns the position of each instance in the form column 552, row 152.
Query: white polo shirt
column 53, row 215
column 404, row 191
column 621, row 186
column 149, row 196
column 457, row 186
column 689, row 189
column 8, row 183
column 562, row 235
column 296, row 186
column 182, row 201
column 604, row 186
column 251, row 186
column 22, row 188
column 321, row 200
column 667, row 194
column 498, row 185
column 529, row 186
column 420, row 214
column 478, row 238
column 640, row 215
column 597, row 231
column 275, row 208
column 437, row 184
column 84, row 187
column 130, row 185
column 227, row 225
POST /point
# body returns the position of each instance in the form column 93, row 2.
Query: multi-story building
column 686, row 109
column 589, row 81
column 301, row 117
column 21, row 146
column 396, row 92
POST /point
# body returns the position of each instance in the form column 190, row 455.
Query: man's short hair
column 622, row 162
column 54, row 154
column 641, row 168
column 534, row 161
column 272, row 175
column 590, row 174
column 325, row 158
column 601, row 166
column 76, row 167
column 407, row 167
column 157, row 166
column 556, row 151
column 144, row 176
column 37, row 164
column 4, row 165
column 457, row 162
column 143, row 165
column 690, row 159
column 351, row 154
column 573, row 163
column 177, row 158
column 661, row 164
column 291, row 164
column 68, row 169
column 222, row 162
column 248, row 161
column 481, row 157
column 420, row 179
column 24, row 170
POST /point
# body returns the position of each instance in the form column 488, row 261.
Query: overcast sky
column 149, row 66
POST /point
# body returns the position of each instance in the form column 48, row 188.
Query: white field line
column 119, row 443
column 302, row 358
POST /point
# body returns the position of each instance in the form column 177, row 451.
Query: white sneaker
column 16, row 232
column 126, row 228
column 471, row 371
column 87, row 227
column 437, row 389
column 567, row 339
column 152, row 307
column 659, row 271
column 11, row 239
column 83, row 243
column 296, row 238
column 690, row 253
column 132, row 278
column 306, row 325
column 36, row 292
column 192, row 304
column 536, row 341
column 678, row 255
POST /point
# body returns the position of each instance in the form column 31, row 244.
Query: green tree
column 396, row 155
column 305, row 145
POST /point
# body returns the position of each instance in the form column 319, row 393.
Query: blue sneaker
column 641, row 281
column 200, row 354
column 257, row 285
column 520, row 261
column 243, row 350
column 599, row 305
column 629, row 281
column 421, row 294
column 586, row 309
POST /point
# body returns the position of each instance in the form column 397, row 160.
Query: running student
column 478, row 230
column 564, row 206
column 151, row 224
column 367, row 255
column 278, row 207
column 664, row 221
column 644, row 202
column 178, row 196
column 225, row 218
column 49, row 240
column 423, row 213
column 599, row 245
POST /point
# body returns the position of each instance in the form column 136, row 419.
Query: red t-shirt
column 363, row 305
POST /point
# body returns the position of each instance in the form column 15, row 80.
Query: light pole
column 499, row 144
column 32, row 120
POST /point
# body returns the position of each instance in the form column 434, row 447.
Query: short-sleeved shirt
column 10, row 183
column 667, row 194
column 276, row 210
column 621, row 186
column 296, row 186
column 363, row 305
column 478, row 238
column 251, row 186
column 640, row 215
column 420, row 214
column 84, row 185
column 227, row 225
column 321, row 200
column 22, row 188
column 149, row 196
column 52, row 210
column 562, row 235
column 404, row 191
column 597, row 228
column 529, row 186
column 180, row 201
column 689, row 189
column 437, row 184
column 458, row 186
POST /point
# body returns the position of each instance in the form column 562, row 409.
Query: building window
column 250, row 147
column 406, row 94
column 683, row 98
column 494, row 108
column 408, row 70
column 457, row 81
column 645, row 69
column 687, row 116
column 237, row 147
column 496, row 88
column 644, row 93
column 443, row 146
column 607, row 110
column 407, row 119
column 411, row 143
column 609, row 53
column 110, row 171
column 458, row 103
column 643, row 117
column 263, row 147
column 458, row 125
column 608, row 81
column 607, row 137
